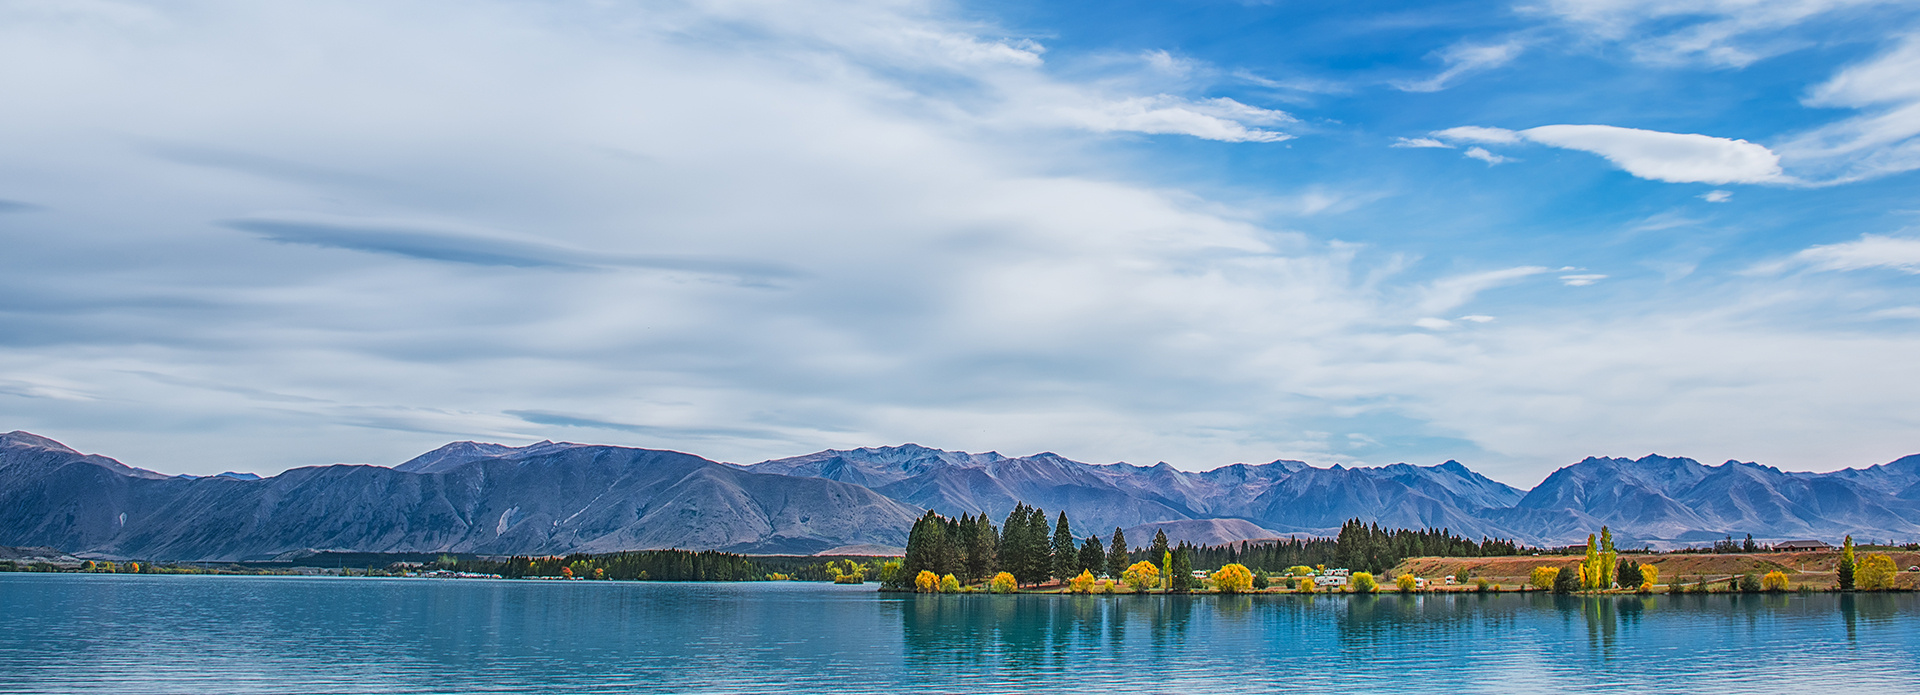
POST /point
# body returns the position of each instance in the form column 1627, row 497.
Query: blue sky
column 255, row 236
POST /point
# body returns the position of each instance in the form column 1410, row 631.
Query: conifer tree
column 1039, row 554
column 1093, row 556
column 1847, row 565
column 1013, row 544
column 1066, row 555
column 1119, row 556
column 1157, row 552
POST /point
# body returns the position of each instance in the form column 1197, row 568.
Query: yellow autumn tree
column 1233, row 579
column 1363, row 582
column 1406, row 583
column 1304, row 585
column 1082, row 584
column 1003, row 583
column 949, row 585
column 1774, row 581
column 1141, row 576
column 1543, row 577
column 1649, row 576
column 926, row 582
column 1875, row 573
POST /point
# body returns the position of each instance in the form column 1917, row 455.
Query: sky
column 246, row 235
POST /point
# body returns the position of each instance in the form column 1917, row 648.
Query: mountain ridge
column 558, row 497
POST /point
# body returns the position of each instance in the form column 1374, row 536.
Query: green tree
column 1846, row 564
column 1039, row 553
column 1157, row 551
column 1066, row 554
column 1093, row 556
column 1118, row 555
column 982, row 543
column 1590, row 567
column 1180, row 572
column 1626, row 573
column 1014, row 545
column 1567, row 581
column 1261, row 580
column 1604, row 563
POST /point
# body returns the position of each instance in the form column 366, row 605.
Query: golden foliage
column 1406, row 583
column 1003, row 583
column 1543, row 577
column 1082, row 584
column 949, row 585
column 1774, row 581
column 1233, row 579
column 1304, row 585
column 1875, row 573
column 1141, row 576
column 1363, row 582
column 926, row 582
column 1649, row 576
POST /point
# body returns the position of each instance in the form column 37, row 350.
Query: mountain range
column 557, row 497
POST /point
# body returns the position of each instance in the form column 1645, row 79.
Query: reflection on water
column 140, row 634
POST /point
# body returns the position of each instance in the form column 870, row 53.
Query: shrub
column 1002, row 583
column 1775, row 581
column 1232, row 579
column 1649, row 576
column 1304, row 585
column 1300, row 571
column 1261, row 581
column 926, row 582
column 1749, row 584
column 1364, row 583
column 1082, row 584
column 1875, row 572
column 1483, row 585
column 1406, row 583
column 1543, row 577
column 949, row 585
column 1141, row 576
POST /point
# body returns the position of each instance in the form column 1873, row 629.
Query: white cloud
column 1581, row 280
column 1483, row 155
column 1648, row 154
column 1482, row 134
column 1465, row 59
column 1883, row 140
column 1419, row 143
column 1717, row 196
column 1870, row 251
column 1733, row 33
column 1212, row 119
column 1672, row 157
column 1433, row 324
column 1477, row 318
column 1450, row 292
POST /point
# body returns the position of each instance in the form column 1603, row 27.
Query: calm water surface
column 186, row 634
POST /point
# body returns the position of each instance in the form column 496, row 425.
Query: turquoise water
column 187, row 634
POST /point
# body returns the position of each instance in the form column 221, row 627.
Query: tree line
column 973, row 549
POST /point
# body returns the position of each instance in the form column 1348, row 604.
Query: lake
column 71, row 633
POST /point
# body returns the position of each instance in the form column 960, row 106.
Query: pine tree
column 1847, row 565
column 983, row 542
column 1119, row 557
column 1039, row 553
column 1066, row 555
column 1157, row 552
column 1093, row 556
column 1013, row 544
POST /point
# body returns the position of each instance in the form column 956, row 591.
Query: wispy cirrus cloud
column 1464, row 59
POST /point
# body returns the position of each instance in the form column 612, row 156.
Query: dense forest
column 657, row 565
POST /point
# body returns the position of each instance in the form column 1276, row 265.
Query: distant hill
column 559, row 497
